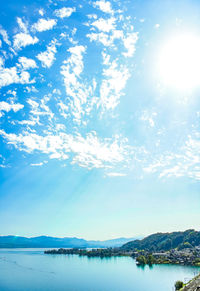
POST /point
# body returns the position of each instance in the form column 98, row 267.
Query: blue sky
column 99, row 113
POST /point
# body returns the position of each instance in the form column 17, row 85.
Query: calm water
column 31, row 270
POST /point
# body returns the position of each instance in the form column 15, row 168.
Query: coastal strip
column 103, row 252
column 190, row 257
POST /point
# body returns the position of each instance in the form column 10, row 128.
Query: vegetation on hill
column 165, row 241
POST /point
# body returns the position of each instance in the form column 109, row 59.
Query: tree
column 141, row 260
column 150, row 260
column 178, row 285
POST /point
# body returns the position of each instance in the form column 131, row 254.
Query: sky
column 99, row 117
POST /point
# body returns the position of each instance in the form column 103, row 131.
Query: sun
column 179, row 62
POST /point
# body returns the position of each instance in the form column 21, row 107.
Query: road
column 193, row 285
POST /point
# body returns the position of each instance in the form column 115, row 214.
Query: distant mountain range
column 54, row 242
column 165, row 241
column 153, row 242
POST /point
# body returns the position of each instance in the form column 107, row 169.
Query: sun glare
column 179, row 62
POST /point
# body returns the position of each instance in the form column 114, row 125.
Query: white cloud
column 31, row 122
column 12, row 76
column 57, row 91
column 76, row 58
column 92, row 16
column 4, row 106
column 105, row 25
column 116, row 174
column 44, row 24
column 104, row 6
column 30, row 89
column 27, row 63
column 13, row 93
column 37, row 164
column 41, row 12
column 64, row 12
column 129, row 44
column 24, row 39
column 100, row 37
column 48, row 57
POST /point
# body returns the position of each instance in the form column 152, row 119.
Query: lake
column 32, row 270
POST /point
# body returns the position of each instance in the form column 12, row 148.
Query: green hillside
column 165, row 241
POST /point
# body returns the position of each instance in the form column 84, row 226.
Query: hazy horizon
column 137, row 236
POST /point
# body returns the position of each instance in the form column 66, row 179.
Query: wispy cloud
column 59, row 123
column 115, row 78
column 4, row 34
column 184, row 162
column 71, row 71
column 39, row 110
column 22, row 25
column 89, row 152
column 148, row 117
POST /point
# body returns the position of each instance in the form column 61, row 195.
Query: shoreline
column 142, row 258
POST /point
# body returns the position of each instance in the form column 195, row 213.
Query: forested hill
column 165, row 241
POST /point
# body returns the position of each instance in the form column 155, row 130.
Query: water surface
column 32, row 270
